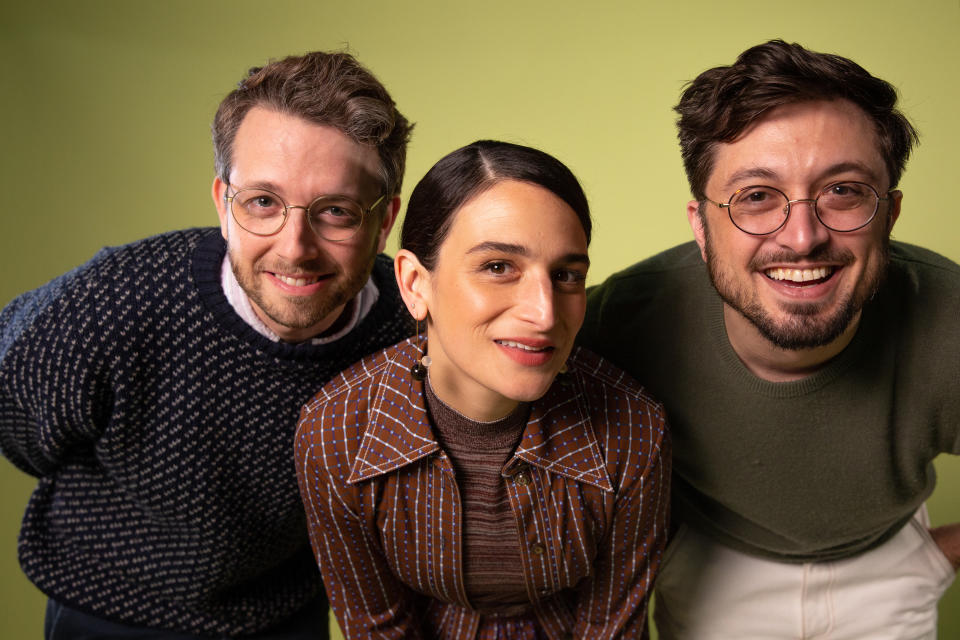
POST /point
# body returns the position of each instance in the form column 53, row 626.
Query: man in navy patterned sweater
column 155, row 390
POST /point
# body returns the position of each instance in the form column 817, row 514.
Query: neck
column 776, row 364
column 488, row 408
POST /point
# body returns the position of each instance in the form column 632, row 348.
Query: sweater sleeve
column 50, row 392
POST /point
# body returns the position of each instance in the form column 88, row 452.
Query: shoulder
column 595, row 406
column 649, row 281
column 348, row 396
column 605, row 386
column 116, row 274
column 674, row 263
column 377, row 395
column 380, row 368
column 643, row 310
column 615, row 407
column 913, row 258
column 924, row 282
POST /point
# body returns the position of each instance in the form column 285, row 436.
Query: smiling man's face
column 802, row 286
column 297, row 282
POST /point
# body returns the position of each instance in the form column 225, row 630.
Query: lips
column 525, row 347
column 529, row 353
column 296, row 281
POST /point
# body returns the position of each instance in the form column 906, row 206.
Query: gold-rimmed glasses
column 842, row 206
column 263, row 213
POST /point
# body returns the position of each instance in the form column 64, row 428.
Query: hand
column 947, row 538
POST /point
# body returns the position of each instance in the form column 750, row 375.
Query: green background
column 106, row 108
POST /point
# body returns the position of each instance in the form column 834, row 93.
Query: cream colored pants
column 706, row 591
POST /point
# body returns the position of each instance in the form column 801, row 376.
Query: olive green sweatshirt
column 821, row 468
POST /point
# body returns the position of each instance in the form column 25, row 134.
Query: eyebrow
column 520, row 250
column 765, row 173
column 503, row 247
column 266, row 185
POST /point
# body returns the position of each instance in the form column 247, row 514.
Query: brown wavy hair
column 330, row 89
column 721, row 103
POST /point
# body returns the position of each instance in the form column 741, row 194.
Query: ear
column 386, row 223
column 896, row 197
column 218, row 191
column 696, row 224
column 413, row 279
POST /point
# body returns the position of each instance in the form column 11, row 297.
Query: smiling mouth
column 523, row 347
column 299, row 281
column 800, row 276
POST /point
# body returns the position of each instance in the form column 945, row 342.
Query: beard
column 807, row 324
column 302, row 312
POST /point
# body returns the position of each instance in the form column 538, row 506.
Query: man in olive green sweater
column 809, row 365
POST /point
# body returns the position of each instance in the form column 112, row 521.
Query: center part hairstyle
column 469, row 171
column 721, row 103
column 330, row 89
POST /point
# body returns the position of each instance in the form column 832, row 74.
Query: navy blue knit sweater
column 160, row 426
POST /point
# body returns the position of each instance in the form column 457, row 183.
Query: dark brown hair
column 467, row 172
column 330, row 89
column 722, row 102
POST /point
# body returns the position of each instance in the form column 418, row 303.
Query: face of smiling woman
column 505, row 299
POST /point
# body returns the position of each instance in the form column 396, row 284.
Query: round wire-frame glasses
column 760, row 210
column 264, row 213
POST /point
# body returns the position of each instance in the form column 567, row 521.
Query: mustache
column 832, row 255
column 304, row 267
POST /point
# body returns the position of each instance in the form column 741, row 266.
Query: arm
column 613, row 602
column 368, row 600
column 947, row 538
column 48, row 391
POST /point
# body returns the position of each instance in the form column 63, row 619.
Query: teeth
column 798, row 275
column 295, row 282
column 517, row 345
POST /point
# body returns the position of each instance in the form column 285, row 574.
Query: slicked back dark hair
column 721, row 103
column 466, row 173
column 330, row 89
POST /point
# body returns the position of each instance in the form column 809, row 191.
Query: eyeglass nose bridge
column 787, row 208
column 811, row 201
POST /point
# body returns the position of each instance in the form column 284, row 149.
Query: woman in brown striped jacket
column 488, row 479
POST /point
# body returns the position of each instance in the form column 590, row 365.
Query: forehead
column 283, row 150
column 802, row 143
column 519, row 213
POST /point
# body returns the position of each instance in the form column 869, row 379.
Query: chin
column 530, row 391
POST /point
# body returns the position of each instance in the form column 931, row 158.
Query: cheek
column 465, row 306
column 248, row 248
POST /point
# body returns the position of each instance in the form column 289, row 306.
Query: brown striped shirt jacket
column 588, row 483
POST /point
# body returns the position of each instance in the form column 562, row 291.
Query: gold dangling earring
column 419, row 369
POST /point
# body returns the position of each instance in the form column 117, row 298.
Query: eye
column 756, row 195
column 498, row 268
column 844, row 196
column 756, row 200
column 335, row 212
column 261, row 204
column 569, row 276
column 846, row 189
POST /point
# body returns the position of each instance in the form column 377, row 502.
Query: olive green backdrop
column 106, row 108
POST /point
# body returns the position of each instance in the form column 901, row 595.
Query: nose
column 537, row 302
column 802, row 232
column 296, row 240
